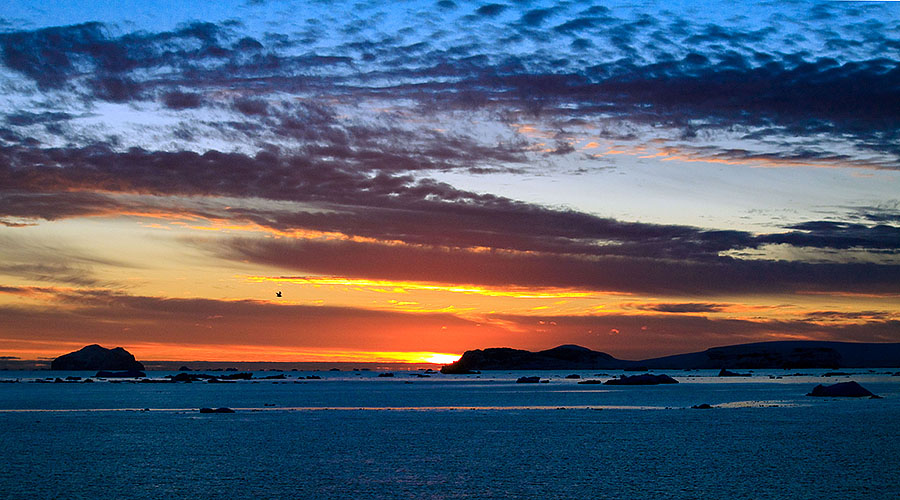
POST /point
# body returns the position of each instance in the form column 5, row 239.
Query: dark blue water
column 449, row 437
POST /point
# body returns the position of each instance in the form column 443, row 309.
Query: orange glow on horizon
column 388, row 286
column 283, row 354
column 147, row 351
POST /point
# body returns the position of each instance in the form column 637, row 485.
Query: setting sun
column 441, row 359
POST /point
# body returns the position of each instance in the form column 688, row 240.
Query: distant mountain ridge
column 761, row 355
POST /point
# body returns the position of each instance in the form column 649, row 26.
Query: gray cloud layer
column 537, row 246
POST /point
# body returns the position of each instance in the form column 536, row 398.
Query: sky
column 422, row 178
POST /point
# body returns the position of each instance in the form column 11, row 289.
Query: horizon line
column 421, row 361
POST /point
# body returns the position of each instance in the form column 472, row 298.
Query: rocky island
column 95, row 357
column 559, row 358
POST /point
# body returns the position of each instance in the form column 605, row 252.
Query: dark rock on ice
column 841, row 390
column 645, row 379
column 184, row 369
column 217, row 410
column 280, row 376
column 237, row 376
column 573, row 376
column 94, row 357
column 725, row 373
column 124, row 374
column 591, row 381
column 448, row 370
column 386, row 374
column 528, row 380
column 189, row 377
column 702, row 406
column 313, row 377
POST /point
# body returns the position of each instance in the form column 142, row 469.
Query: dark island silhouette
column 94, row 357
column 849, row 389
column 760, row 355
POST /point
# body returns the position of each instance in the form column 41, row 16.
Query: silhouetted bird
column 278, row 294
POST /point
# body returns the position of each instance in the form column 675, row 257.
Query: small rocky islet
column 95, row 357
column 849, row 389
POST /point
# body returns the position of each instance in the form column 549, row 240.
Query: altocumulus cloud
column 758, row 81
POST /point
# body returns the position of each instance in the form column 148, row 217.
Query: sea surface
column 354, row 435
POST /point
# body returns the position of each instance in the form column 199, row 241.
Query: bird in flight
column 278, row 293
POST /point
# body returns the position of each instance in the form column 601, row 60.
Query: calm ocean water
column 360, row 436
